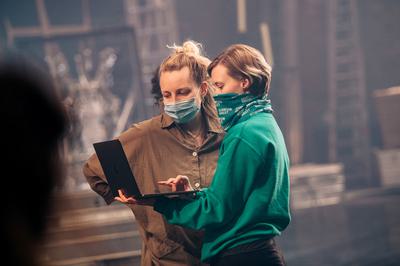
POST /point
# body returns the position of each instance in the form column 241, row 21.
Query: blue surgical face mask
column 182, row 112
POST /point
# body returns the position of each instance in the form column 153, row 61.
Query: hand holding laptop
column 130, row 200
column 179, row 183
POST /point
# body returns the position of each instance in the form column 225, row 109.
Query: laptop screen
column 116, row 167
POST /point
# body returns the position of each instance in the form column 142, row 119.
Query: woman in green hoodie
column 247, row 203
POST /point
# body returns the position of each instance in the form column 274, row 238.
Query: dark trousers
column 264, row 253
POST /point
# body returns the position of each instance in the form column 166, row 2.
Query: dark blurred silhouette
column 33, row 124
column 156, row 89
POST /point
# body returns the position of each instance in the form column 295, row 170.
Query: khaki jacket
column 157, row 149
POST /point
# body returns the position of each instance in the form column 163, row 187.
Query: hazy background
column 335, row 92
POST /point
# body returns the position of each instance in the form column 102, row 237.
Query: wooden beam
column 266, row 43
column 241, row 16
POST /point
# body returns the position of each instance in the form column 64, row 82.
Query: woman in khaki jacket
column 184, row 139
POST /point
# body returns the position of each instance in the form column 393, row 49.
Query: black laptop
column 119, row 175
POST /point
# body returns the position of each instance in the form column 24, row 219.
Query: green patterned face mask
column 232, row 107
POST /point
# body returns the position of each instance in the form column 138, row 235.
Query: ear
column 203, row 89
column 245, row 83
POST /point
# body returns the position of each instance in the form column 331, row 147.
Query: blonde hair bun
column 188, row 47
column 188, row 55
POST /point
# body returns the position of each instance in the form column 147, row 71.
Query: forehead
column 171, row 80
column 219, row 72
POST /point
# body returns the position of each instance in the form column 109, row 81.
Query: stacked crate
column 314, row 185
column 387, row 104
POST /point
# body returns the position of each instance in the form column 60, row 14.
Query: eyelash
column 179, row 93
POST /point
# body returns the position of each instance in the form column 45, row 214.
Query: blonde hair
column 190, row 55
column 243, row 61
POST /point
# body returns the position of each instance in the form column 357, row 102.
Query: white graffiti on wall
column 92, row 107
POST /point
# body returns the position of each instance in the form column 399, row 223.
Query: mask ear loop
column 202, row 98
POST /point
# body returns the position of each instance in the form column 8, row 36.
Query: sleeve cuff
column 108, row 197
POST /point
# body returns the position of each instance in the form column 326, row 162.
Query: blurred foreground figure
column 33, row 123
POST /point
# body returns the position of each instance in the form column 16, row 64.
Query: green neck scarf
column 234, row 107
